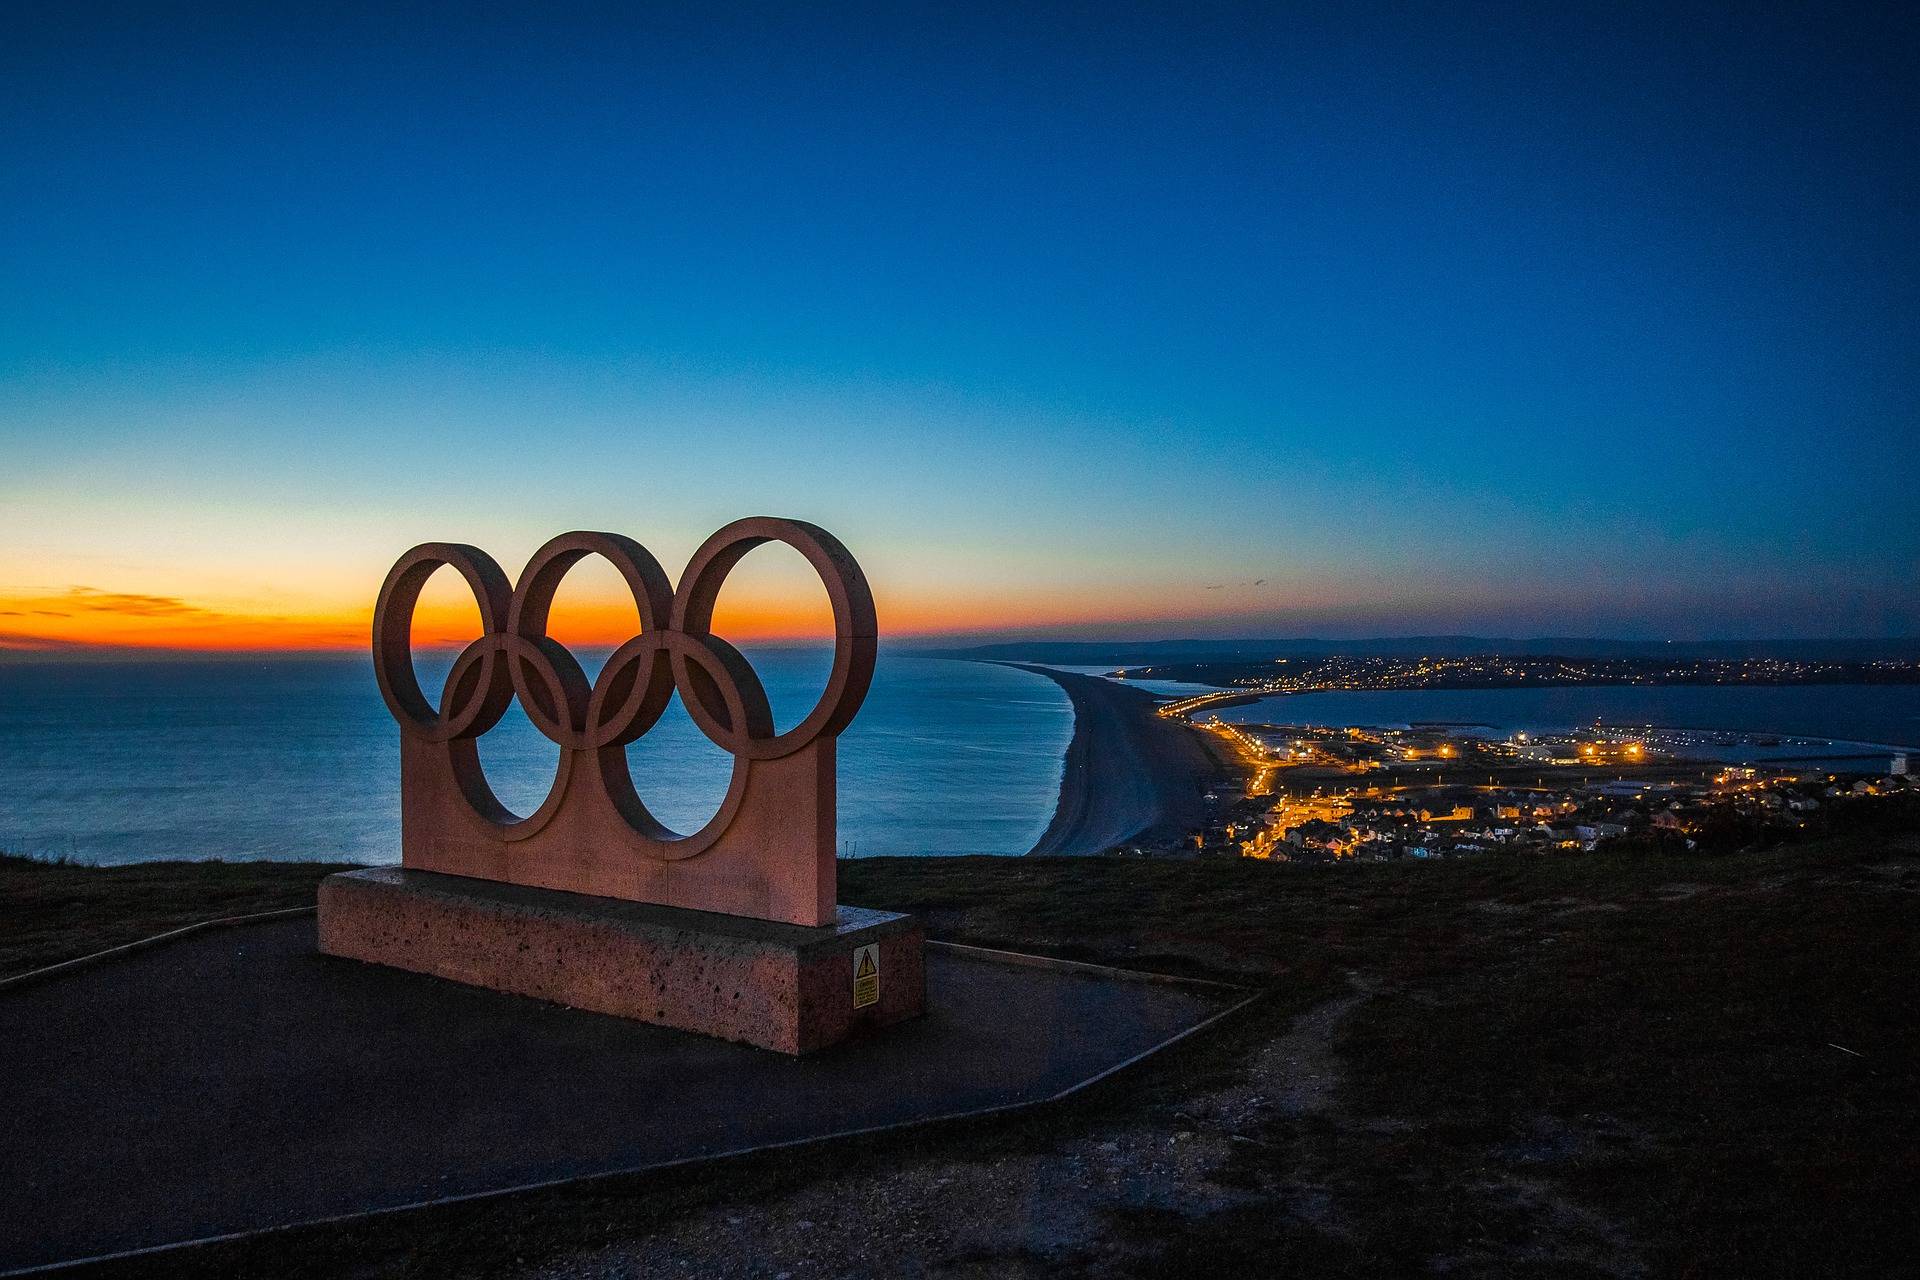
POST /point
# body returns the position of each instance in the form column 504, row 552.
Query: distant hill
column 1153, row 652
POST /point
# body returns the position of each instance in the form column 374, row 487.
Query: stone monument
column 733, row 930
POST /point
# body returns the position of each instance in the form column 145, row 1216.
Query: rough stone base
column 779, row 986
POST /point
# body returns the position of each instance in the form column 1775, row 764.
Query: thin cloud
column 93, row 600
column 81, row 602
column 82, row 619
column 28, row 642
column 88, row 609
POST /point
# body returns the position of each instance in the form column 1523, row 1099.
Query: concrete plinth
column 785, row 987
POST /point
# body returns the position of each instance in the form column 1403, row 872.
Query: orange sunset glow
column 771, row 598
column 205, row 604
column 88, row 618
column 97, row 619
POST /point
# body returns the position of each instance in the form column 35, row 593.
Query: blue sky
column 1082, row 319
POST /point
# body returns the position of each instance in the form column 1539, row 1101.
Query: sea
column 1849, row 726
column 299, row 759
column 296, row 759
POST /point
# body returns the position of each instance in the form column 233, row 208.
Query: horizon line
column 84, row 652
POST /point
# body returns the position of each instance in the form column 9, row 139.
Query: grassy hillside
column 1607, row 1065
column 54, row 911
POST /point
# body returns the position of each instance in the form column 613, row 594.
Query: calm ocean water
column 1879, row 714
column 299, row 759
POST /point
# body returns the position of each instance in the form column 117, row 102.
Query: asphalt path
column 237, row 1079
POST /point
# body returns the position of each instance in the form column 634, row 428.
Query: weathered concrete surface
column 781, row 987
column 238, row 1079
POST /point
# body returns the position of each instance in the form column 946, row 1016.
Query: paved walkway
column 237, row 1079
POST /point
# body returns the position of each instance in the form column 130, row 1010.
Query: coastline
column 1853, row 718
column 1129, row 775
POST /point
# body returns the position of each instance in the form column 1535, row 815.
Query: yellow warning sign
column 866, row 975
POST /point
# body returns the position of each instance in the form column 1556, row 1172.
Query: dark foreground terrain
column 1609, row 1065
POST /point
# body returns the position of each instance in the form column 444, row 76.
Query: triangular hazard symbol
column 867, row 968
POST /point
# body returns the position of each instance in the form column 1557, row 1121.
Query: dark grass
column 54, row 911
column 1565, row 1066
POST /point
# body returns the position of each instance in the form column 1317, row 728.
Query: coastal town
column 1327, row 795
column 1245, row 681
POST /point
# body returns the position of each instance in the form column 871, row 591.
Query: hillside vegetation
column 1604, row 1065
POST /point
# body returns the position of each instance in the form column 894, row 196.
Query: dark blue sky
column 1316, row 318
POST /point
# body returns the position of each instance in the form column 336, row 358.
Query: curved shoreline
column 1129, row 775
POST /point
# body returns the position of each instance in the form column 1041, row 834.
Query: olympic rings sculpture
column 675, row 650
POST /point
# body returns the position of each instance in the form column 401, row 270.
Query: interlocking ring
column 515, row 657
